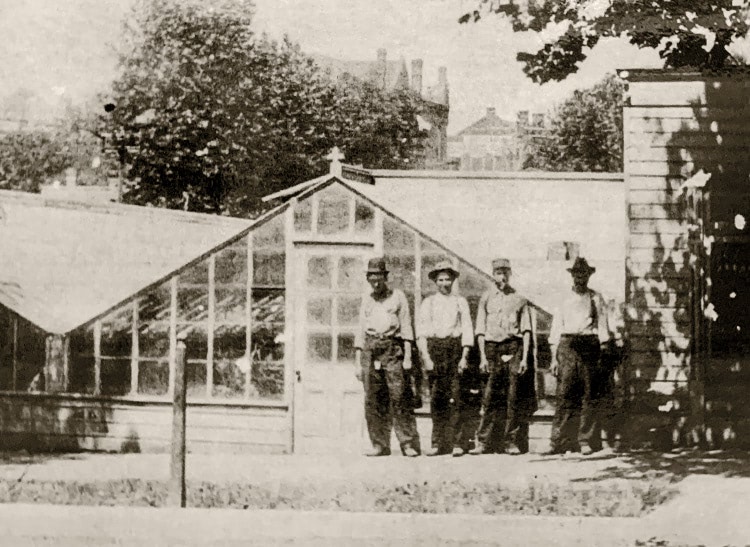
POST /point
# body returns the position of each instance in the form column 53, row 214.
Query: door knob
column 299, row 375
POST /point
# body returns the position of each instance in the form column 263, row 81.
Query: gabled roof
column 479, row 216
column 490, row 124
column 70, row 263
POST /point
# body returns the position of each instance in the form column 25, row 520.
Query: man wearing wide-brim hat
column 444, row 337
column 578, row 334
column 504, row 330
column 383, row 358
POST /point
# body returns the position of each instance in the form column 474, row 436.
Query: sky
column 67, row 48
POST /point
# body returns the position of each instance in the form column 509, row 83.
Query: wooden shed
column 687, row 138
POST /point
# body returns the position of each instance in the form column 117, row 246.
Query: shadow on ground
column 675, row 465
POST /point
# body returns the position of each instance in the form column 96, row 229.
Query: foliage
column 215, row 117
column 29, row 158
column 585, row 133
column 684, row 32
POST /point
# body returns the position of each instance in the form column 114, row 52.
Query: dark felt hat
column 581, row 266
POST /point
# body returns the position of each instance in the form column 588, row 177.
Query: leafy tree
column 686, row 33
column 28, row 159
column 585, row 132
column 214, row 117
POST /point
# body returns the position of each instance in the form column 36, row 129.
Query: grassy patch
column 594, row 499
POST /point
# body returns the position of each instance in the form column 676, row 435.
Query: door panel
column 329, row 401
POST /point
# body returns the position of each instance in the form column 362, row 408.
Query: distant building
column 493, row 143
column 394, row 76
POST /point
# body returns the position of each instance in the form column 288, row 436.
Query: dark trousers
column 386, row 403
column 445, row 392
column 582, row 387
column 509, row 399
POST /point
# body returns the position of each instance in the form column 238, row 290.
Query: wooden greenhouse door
column 328, row 399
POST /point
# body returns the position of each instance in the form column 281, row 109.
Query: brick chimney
column 382, row 68
column 491, row 112
column 443, row 85
column 416, row 76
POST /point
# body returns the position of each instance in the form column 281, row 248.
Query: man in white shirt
column 444, row 338
column 578, row 334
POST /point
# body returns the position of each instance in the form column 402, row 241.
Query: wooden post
column 176, row 490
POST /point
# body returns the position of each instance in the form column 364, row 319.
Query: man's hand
column 407, row 362
column 523, row 366
column 462, row 365
column 359, row 374
column 484, row 366
column 429, row 365
column 554, row 367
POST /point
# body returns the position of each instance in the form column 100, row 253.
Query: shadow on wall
column 39, row 424
column 667, row 303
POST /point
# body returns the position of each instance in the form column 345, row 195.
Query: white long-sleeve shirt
column 581, row 314
column 445, row 316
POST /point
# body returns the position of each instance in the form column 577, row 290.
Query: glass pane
column 30, row 357
column 229, row 342
column 319, row 311
column 346, row 348
column 333, row 211
column 231, row 264
column 351, row 273
column 268, row 380
column 115, row 378
column 268, row 307
column 196, row 340
column 270, row 235
column 364, row 217
column 230, row 305
column 195, row 378
column 402, row 271
column 195, row 275
column 154, row 305
column 303, row 216
column 81, row 374
column 153, row 340
column 117, row 333
column 153, row 377
column 319, row 273
column 348, row 310
column 192, row 304
column 319, row 347
column 396, row 237
column 268, row 268
column 229, row 377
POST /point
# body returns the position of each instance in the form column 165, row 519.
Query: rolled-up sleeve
column 467, row 330
column 481, row 327
column 404, row 318
column 423, row 319
column 603, row 330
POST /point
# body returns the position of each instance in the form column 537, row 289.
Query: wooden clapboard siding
column 60, row 422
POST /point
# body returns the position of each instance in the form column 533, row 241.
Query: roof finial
column 335, row 157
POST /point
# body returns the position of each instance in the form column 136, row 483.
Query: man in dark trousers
column 504, row 329
column 384, row 360
column 444, row 337
column 578, row 335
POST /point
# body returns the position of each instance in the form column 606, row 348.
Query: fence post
column 176, row 491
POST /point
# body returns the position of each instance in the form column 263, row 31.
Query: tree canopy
column 685, row 33
column 585, row 132
column 215, row 116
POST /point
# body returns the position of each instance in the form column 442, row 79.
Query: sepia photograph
column 455, row 273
